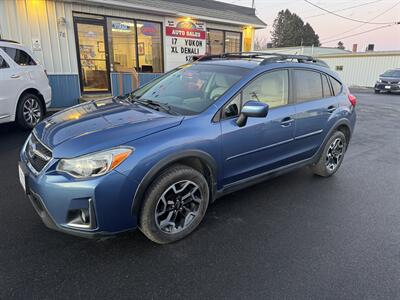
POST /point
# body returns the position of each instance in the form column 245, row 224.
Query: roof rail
column 268, row 57
column 9, row 41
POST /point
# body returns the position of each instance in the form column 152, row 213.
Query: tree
column 340, row 45
column 309, row 36
column 289, row 30
column 260, row 43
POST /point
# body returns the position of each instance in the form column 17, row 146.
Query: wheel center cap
column 178, row 203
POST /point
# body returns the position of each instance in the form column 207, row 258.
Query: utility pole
column 252, row 4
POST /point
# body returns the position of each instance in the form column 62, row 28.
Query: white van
column 25, row 93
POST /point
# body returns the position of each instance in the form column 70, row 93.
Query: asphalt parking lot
column 295, row 237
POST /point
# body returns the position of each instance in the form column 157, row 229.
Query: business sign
column 150, row 29
column 183, row 40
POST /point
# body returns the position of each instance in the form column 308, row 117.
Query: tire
column 29, row 108
column 164, row 202
column 377, row 91
column 331, row 157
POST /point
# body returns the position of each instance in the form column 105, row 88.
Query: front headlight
column 95, row 164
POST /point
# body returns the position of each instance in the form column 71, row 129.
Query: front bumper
column 56, row 196
column 387, row 87
column 46, row 93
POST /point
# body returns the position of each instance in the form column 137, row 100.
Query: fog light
column 85, row 218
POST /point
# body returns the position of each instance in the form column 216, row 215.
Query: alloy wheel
column 32, row 112
column 178, row 206
column 334, row 154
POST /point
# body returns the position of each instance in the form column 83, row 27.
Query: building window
column 135, row 45
column 122, row 41
column 215, row 42
column 149, row 47
column 220, row 41
column 233, row 41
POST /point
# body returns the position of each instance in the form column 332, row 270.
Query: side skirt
column 244, row 183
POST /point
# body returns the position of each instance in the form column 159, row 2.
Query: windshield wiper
column 155, row 105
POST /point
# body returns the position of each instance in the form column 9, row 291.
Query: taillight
column 45, row 72
column 352, row 99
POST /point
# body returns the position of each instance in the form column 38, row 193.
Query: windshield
column 391, row 73
column 191, row 89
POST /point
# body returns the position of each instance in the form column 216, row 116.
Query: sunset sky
column 330, row 27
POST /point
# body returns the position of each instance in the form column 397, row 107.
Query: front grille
column 37, row 153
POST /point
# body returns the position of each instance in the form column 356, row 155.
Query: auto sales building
column 93, row 47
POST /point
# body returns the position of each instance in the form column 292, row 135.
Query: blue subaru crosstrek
column 158, row 157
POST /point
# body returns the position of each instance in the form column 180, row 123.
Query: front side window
column 308, row 85
column 149, row 47
column 3, row 63
column 19, row 56
column 191, row 89
column 271, row 88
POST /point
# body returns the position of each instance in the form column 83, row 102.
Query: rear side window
column 325, row 86
column 308, row 85
column 337, row 86
column 19, row 56
column 3, row 63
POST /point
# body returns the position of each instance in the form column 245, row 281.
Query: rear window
column 337, row 86
column 3, row 63
column 308, row 85
column 19, row 56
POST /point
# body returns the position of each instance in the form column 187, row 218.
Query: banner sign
column 183, row 40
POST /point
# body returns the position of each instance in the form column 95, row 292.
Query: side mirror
column 231, row 110
column 253, row 109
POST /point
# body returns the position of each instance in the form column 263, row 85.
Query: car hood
column 390, row 79
column 99, row 125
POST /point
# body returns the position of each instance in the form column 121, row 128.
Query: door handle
column 331, row 109
column 286, row 122
column 15, row 76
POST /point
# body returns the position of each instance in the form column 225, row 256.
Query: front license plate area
column 387, row 87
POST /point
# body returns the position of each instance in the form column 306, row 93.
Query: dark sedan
column 388, row 81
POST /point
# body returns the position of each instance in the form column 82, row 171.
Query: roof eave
column 165, row 12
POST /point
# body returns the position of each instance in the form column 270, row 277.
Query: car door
column 263, row 143
column 315, row 105
column 19, row 76
column 7, row 95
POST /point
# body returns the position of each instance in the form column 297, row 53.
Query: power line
column 366, row 31
column 359, row 26
column 347, row 18
column 343, row 9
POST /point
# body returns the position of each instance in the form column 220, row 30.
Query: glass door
column 92, row 56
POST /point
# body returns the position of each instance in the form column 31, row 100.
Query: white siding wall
column 24, row 20
column 363, row 70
